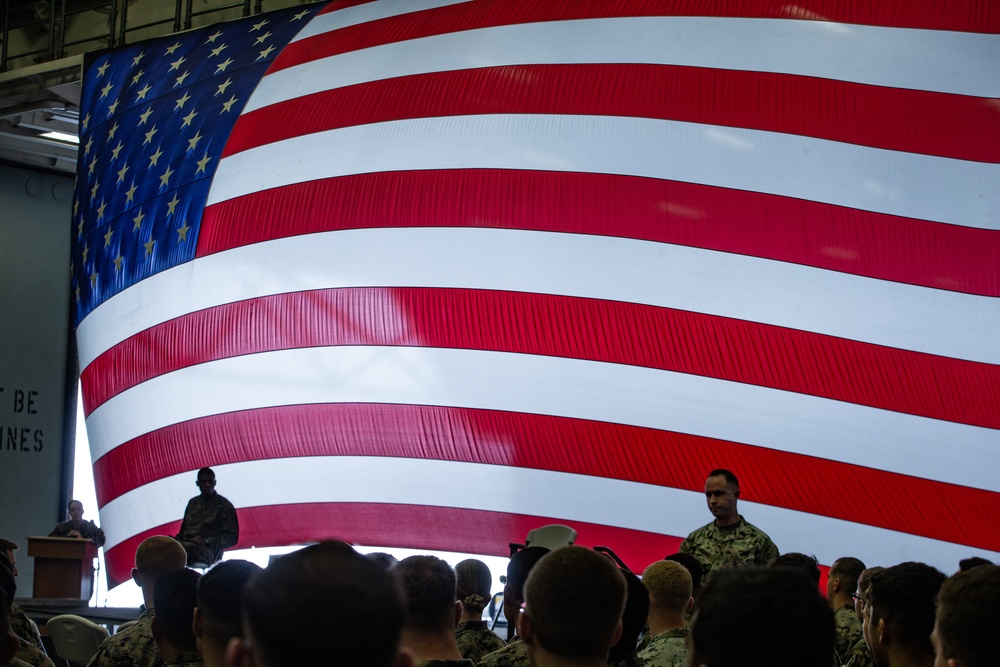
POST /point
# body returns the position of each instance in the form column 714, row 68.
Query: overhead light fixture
column 62, row 136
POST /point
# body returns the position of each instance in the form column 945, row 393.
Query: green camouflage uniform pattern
column 21, row 626
column 17, row 662
column 514, row 654
column 88, row 529
column 848, row 631
column 630, row 660
column 132, row 647
column 33, row 655
column 214, row 519
column 860, row 656
column 475, row 640
column 446, row 663
column 667, row 649
column 186, row 660
column 716, row 548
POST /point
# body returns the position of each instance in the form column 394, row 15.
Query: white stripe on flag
column 513, row 490
column 557, row 386
column 948, row 62
column 369, row 11
column 872, row 179
column 926, row 320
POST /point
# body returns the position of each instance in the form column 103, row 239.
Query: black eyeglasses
column 857, row 599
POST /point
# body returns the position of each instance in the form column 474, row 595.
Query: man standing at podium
column 210, row 525
column 77, row 527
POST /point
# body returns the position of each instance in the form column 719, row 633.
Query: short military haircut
column 354, row 609
column 692, row 565
column 968, row 615
column 519, row 567
column 158, row 555
column 174, row 599
column 70, row 503
column 848, row 569
column 740, row 609
column 206, row 471
column 574, row 598
column 730, row 476
column 669, row 585
column 429, row 584
column 473, row 584
column 804, row 562
column 865, row 578
column 633, row 618
column 903, row 595
column 220, row 598
column 973, row 561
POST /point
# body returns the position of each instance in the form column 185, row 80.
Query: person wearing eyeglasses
column 860, row 655
column 841, row 584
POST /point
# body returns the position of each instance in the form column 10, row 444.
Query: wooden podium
column 64, row 567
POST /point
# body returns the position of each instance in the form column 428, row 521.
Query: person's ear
column 882, row 632
column 405, row 657
column 459, row 608
column 525, row 629
column 690, row 605
column 157, row 629
column 836, row 584
column 136, row 577
column 238, row 654
column 736, row 493
column 618, row 633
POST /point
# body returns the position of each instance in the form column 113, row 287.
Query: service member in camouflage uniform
column 967, row 616
column 515, row 653
column 474, row 583
column 573, row 604
column 175, row 597
column 8, row 641
column 78, row 528
column 135, row 646
column 210, row 525
column 29, row 649
column 841, row 585
column 730, row 540
column 220, row 601
column 432, row 612
column 670, row 586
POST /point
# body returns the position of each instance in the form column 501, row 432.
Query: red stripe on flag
column 915, row 121
column 969, row 16
column 875, row 245
column 607, row 331
column 407, row 526
column 828, row 488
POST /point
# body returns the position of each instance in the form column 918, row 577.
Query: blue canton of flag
column 155, row 118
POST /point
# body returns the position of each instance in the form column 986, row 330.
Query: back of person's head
column 804, row 562
column 429, row 584
column 971, row 562
column 902, row 596
column 762, row 617
column 574, row 599
column 848, row 569
column 865, row 578
column 174, row 599
column 324, row 604
column 669, row 585
column 518, row 568
column 968, row 616
column 473, row 584
column 633, row 618
column 159, row 555
column 694, row 568
column 220, row 599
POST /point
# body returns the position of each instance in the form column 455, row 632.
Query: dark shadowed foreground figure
column 220, row 601
column 624, row 653
column 899, row 615
column 841, row 585
column 432, row 612
column 175, row 596
column 210, row 525
column 323, row 605
column 968, row 617
column 519, row 567
column 762, row 617
column 573, row 604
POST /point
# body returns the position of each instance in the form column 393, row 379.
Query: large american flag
column 431, row 273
